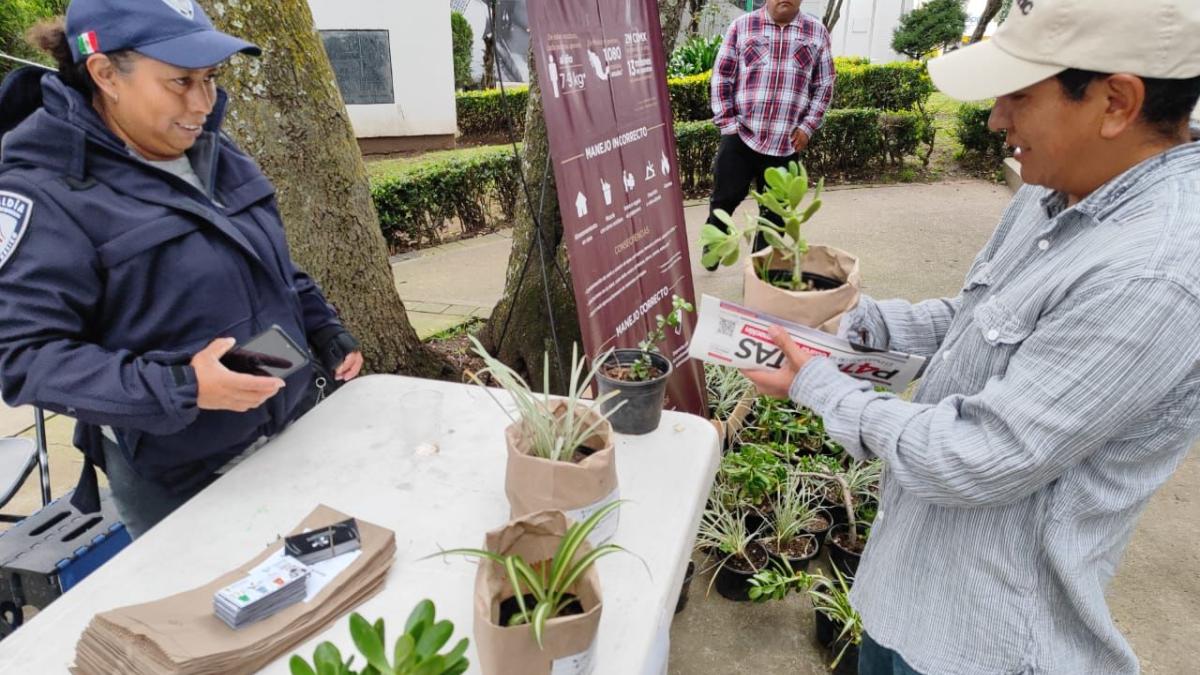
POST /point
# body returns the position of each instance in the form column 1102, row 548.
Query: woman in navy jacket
column 138, row 244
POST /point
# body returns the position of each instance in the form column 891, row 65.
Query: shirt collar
column 766, row 19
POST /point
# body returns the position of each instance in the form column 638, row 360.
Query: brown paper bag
column 580, row 489
column 180, row 633
column 822, row 310
column 568, row 641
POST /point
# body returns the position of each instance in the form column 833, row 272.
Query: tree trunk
column 287, row 113
column 489, row 59
column 989, row 13
column 519, row 331
column 695, row 7
column 670, row 15
column 833, row 12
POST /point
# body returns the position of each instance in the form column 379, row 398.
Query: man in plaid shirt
column 771, row 84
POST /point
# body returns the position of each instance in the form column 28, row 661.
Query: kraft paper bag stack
column 181, row 634
column 580, row 489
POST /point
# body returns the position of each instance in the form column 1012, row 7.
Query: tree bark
column 488, row 80
column 287, row 113
column 989, row 13
column 833, row 12
column 519, row 331
column 695, row 7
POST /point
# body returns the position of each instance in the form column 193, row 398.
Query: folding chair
column 18, row 457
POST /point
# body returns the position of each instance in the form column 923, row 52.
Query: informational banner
column 602, row 70
column 736, row 336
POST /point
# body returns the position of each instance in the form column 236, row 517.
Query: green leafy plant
column 640, row 370
column 550, row 583
column 726, row 388
column 754, row 472
column 415, row 652
column 794, row 509
column 694, row 57
column 553, row 436
column 785, row 197
column 832, row 598
column 462, row 38
column 979, row 142
column 935, row 24
column 723, row 528
column 776, row 581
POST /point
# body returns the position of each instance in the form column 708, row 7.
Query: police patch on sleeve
column 14, row 220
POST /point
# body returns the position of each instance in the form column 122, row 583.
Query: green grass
column 401, row 165
column 470, row 327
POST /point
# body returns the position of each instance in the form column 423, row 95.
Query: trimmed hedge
column 851, row 143
column 978, row 141
column 889, row 86
column 483, row 113
column 481, row 192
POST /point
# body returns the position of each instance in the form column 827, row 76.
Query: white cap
column 1042, row 38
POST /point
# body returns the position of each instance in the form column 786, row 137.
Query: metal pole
column 43, row 454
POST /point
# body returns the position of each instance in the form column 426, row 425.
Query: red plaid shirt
column 770, row 80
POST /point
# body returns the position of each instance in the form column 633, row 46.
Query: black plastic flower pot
column 681, row 604
column 825, row 629
column 819, row 282
column 848, row 665
column 841, row 556
column 733, row 578
column 820, row 530
column 798, row 552
column 643, row 401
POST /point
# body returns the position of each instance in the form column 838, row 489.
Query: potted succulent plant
column 537, row 594
column 639, row 376
column 415, row 652
column 810, row 285
column 723, row 530
column 560, row 450
column 860, row 483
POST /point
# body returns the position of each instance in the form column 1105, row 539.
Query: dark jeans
column 875, row 659
column 141, row 503
column 735, row 169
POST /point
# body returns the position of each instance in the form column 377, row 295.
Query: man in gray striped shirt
column 1063, row 386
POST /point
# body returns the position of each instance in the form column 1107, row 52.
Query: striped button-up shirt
column 769, row 80
column 1063, row 389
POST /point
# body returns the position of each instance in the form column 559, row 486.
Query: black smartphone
column 271, row 353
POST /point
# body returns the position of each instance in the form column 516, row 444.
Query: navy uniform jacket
column 123, row 272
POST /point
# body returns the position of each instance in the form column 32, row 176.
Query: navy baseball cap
column 177, row 32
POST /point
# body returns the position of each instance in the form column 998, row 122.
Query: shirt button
column 946, row 355
column 1044, row 244
column 993, row 335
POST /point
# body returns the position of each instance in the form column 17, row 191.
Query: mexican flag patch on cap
column 87, row 43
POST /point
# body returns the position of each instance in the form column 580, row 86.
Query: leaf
column 436, row 665
column 327, row 654
column 810, row 211
column 774, row 178
column 423, row 613
column 773, row 205
column 434, row 638
column 367, row 641
column 299, row 666
column 541, row 614
column 458, row 651
column 405, row 652
column 796, row 192
column 564, row 557
column 776, row 241
column 792, row 228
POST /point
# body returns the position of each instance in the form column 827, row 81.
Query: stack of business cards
column 272, row 586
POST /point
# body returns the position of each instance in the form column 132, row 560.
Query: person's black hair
column 1168, row 105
